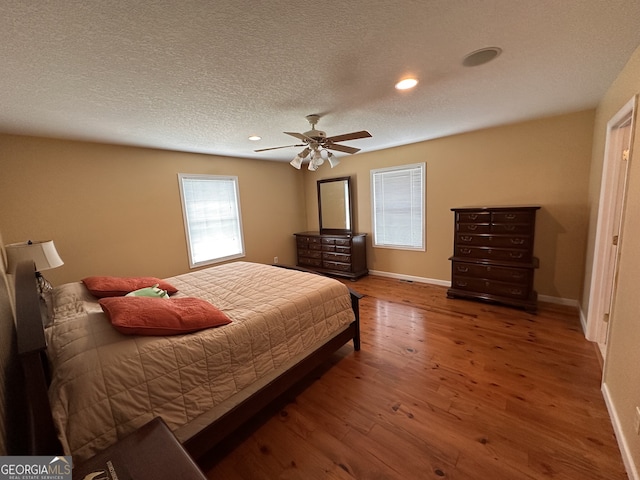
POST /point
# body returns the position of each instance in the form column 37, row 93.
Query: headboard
column 31, row 349
column 13, row 412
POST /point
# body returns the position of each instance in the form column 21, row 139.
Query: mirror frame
column 349, row 210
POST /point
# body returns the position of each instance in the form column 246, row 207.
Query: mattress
column 106, row 384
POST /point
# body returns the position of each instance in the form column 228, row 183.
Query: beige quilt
column 106, row 384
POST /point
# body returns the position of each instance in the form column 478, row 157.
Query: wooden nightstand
column 150, row 453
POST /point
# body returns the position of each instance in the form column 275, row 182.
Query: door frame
column 611, row 197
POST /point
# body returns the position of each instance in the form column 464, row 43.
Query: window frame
column 188, row 228
column 399, row 168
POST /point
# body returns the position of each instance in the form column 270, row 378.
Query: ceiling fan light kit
column 317, row 143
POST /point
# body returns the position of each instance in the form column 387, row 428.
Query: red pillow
column 159, row 316
column 119, row 286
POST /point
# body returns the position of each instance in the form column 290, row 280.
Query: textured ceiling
column 201, row 76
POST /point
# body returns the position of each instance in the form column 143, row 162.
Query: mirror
column 334, row 205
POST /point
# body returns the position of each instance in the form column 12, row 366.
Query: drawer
column 519, row 276
column 305, row 239
column 490, row 287
column 336, row 241
column 473, row 227
column 489, row 253
column 336, row 248
column 473, row 217
column 513, row 217
column 336, row 257
column 311, row 262
column 509, row 241
column 310, row 253
column 342, row 267
column 512, row 228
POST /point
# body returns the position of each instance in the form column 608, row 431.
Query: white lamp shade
column 42, row 253
column 333, row 161
column 296, row 162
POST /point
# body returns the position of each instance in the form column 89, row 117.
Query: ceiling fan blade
column 341, row 148
column 349, row 136
column 275, row 148
column 300, row 136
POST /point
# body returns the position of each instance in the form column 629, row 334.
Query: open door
column 620, row 131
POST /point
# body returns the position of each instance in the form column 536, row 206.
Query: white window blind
column 398, row 204
column 211, row 210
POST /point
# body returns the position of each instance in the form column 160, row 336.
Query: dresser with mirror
column 335, row 249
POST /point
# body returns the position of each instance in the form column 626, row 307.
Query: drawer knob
column 461, row 283
column 510, row 216
column 516, row 291
column 472, row 227
column 511, row 228
column 517, row 241
column 465, row 251
column 473, row 216
column 515, row 255
column 462, row 269
column 466, row 238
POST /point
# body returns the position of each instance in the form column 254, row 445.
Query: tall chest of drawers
column 333, row 254
column 493, row 255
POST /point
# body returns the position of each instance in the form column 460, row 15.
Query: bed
column 89, row 385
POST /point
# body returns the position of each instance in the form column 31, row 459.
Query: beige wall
column 116, row 210
column 622, row 362
column 543, row 162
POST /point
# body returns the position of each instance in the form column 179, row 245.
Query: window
column 398, row 203
column 211, row 210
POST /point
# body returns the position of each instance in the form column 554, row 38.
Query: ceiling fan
column 317, row 145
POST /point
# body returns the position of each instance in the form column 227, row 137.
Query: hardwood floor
column 443, row 389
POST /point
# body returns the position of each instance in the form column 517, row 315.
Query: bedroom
column 129, row 217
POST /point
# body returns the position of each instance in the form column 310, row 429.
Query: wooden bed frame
column 32, row 352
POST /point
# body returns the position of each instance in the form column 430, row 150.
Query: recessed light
column 406, row 84
column 482, row 56
column 255, row 138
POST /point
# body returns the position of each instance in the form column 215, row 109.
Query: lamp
column 42, row 253
column 333, row 161
column 299, row 158
column 317, row 158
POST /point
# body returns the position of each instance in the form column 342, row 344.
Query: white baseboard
column 411, row 278
column 632, row 470
column 570, row 302
column 583, row 320
column 446, row 283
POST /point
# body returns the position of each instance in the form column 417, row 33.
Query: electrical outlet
column 636, row 423
column 275, row 259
